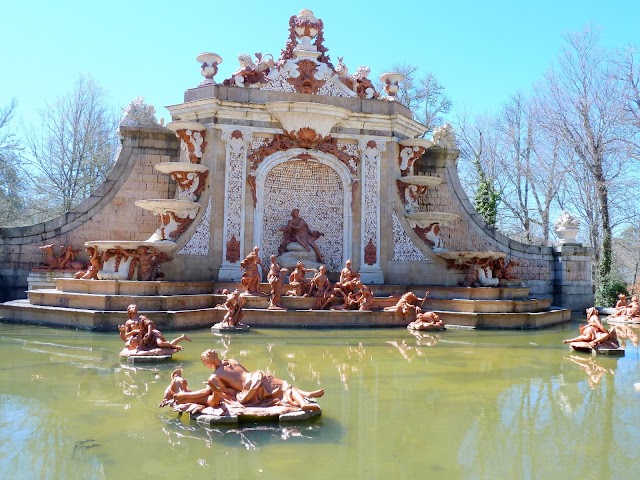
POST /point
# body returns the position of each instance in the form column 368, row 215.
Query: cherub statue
column 249, row 72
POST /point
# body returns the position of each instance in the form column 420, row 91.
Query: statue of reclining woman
column 594, row 334
column 232, row 389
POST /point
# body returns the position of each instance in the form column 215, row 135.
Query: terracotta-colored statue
column 251, row 276
column 349, row 278
column 275, row 281
column 407, row 302
column 320, row 286
column 426, row 321
column 629, row 313
column 298, row 281
column 234, row 304
column 621, row 304
column 365, row 297
column 234, row 389
column 297, row 230
column 142, row 338
column 149, row 258
column 95, row 264
column 503, row 271
column 594, row 334
column 65, row 261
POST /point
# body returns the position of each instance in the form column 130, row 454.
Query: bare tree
column 529, row 169
column 581, row 106
column 424, row 96
column 74, row 148
column 11, row 180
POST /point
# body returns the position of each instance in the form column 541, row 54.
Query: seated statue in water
column 232, row 389
column 426, row 321
column 627, row 313
column 234, row 305
column 594, row 334
column 143, row 339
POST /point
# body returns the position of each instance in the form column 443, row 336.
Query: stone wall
column 108, row 214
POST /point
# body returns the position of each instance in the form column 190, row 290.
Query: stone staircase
column 101, row 305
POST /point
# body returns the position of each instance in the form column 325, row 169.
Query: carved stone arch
column 336, row 221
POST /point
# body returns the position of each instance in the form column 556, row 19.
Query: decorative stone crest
column 444, row 136
column 138, row 113
column 370, row 253
column 306, row 80
column 233, row 250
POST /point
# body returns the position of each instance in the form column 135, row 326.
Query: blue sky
column 482, row 52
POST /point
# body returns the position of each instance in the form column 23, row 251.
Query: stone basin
column 422, row 180
column 424, row 219
column 164, row 246
column 170, row 167
column 163, row 206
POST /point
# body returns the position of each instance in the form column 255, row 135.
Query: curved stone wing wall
column 108, row 213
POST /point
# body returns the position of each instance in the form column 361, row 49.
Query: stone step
column 88, row 301
column 128, row 287
column 124, row 287
column 488, row 306
column 23, row 311
column 523, row 320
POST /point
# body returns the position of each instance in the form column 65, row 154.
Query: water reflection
column 591, row 367
column 408, row 351
column 251, row 436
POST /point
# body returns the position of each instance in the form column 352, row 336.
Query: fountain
column 236, row 160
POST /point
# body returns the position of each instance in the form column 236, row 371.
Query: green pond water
column 457, row 404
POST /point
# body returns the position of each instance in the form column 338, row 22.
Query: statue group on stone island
column 232, row 389
column 142, row 338
column 626, row 312
column 594, row 336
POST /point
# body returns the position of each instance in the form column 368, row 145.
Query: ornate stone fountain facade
column 296, row 132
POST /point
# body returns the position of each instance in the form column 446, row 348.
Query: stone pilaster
column 370, row 153
column 237, row 145
column 572, row 286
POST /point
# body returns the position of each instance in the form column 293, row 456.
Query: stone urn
column 208, row 67
column 390, row 81
column 567, row 228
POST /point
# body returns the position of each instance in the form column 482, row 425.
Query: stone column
column 572, row 286
column 370, row 270
column 237, row 145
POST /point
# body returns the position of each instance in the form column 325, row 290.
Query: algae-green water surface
column 454, row 405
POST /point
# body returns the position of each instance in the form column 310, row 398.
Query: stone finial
column 208, row 67
column 444, row 136
column 306, row 27
column 566, row 220
column 567, row 227
column 390, row 81
column 138, row 113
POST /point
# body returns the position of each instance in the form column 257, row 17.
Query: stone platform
column 102, row 304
